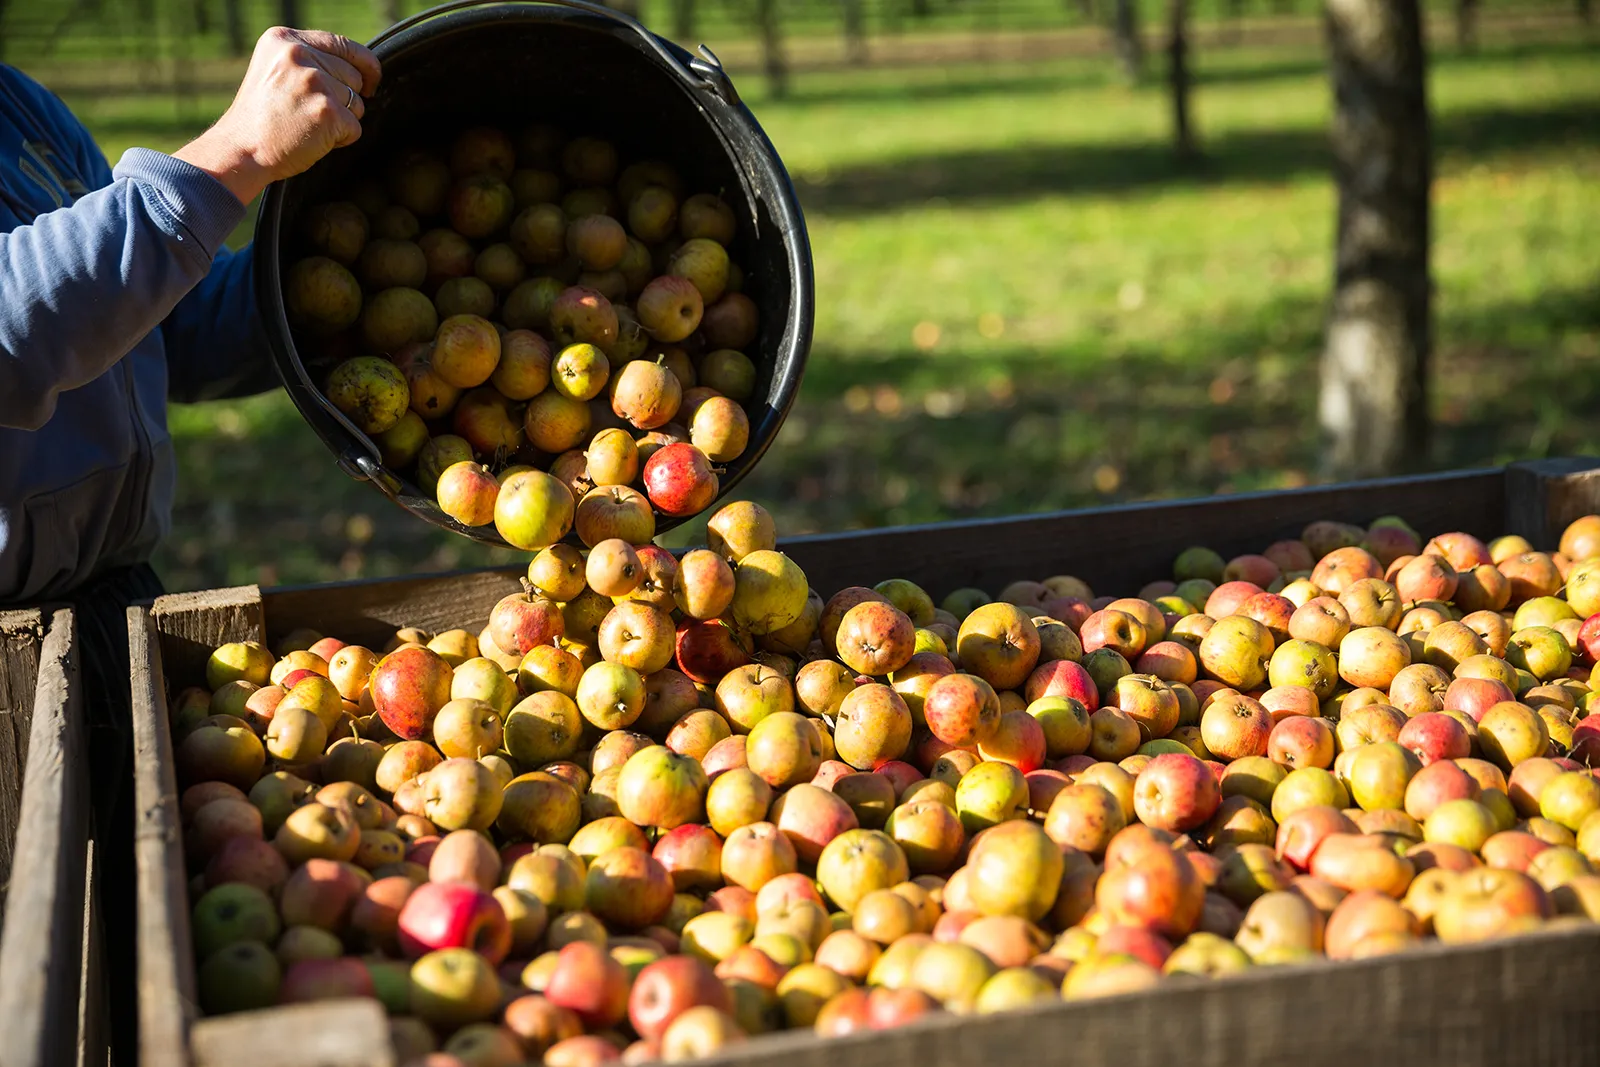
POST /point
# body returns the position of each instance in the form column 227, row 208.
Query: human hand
column 300, row 99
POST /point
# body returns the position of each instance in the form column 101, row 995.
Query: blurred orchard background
column 1035, row 288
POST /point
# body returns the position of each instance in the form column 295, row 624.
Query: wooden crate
column 1529, row 1000
column 51, row 993
column 21, row 642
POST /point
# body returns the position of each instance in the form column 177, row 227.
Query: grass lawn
column 1023, row 304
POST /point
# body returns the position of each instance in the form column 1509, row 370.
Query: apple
column 452, row 987
column 1489, row 902
column 1173, row 792
column 441, row 915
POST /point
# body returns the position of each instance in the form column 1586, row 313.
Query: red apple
column 453, row 915
column 588, row 981
column 679, row 480
column 667, row 988
column 1175, row 792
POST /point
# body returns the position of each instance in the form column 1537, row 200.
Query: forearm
column 216, row 153
column 82, row 285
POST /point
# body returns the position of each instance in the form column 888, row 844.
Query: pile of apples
column 522, row 324
column 657, row 806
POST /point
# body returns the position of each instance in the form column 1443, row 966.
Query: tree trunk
column 683, row 21
column 855, row 31
column 390, row 11
column 919, row 9
column 627, row 7
column 233, row 28
column 1125, row 38
column 289, row 12
column 1586, row 10
column 1183, row 139
column 1467, row 25
column 772, row 58
column 1374, row 399
column 1090, row 11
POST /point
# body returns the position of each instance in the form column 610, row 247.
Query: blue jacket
column 116, row 295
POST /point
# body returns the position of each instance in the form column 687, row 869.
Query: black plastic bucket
column 586, row 68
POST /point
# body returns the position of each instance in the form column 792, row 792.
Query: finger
column 345, row 72
column 342, row 96
column 349, row 51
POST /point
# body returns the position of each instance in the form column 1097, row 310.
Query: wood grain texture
column 1119, row 549
column 368, row 613
column 192, row 625
column 1528, row 1000
column 166, row 957
column 1544, row 496
column 21, row 636
column 332, row 1033
column 93, row 1025
column 41, row 950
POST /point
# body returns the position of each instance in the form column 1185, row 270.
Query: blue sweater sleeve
column 80, row 286
column 216, row 347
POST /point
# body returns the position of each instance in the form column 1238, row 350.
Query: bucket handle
column 704, row 71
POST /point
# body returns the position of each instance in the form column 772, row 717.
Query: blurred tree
column 288, row 12
column 1178, row 81
column 770, row 28
column 1374, row 398
column 855, row 30
column 389, row 11
column 683, row 21
column 1125, row 38
column 202, row 17
column 1467, row 25
column 233, row 28
column 1586, row 10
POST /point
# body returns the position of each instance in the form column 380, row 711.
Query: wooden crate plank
column 1119, row 549
column 368, row 612
column 21, row 636
column 166, row 958
column 1527, row 1000
column 331, row 1033
column 41, row 950
column 193, row 624
column 1543, row 496
column 93, row 1036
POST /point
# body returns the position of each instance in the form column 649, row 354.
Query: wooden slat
column 21, row 635
column 1119, row 549
column 93, row 1036
column 332, row 1033
column 192, row 625
column 368, row 612
column 1528, row 1000
column 41, row 951
column 166, row 959
column 1543, row 496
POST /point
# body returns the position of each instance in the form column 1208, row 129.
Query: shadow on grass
column 1026, row 172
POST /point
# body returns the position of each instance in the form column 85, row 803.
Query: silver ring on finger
column 350, row 100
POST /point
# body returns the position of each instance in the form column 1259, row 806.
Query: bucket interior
column 512, row 65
